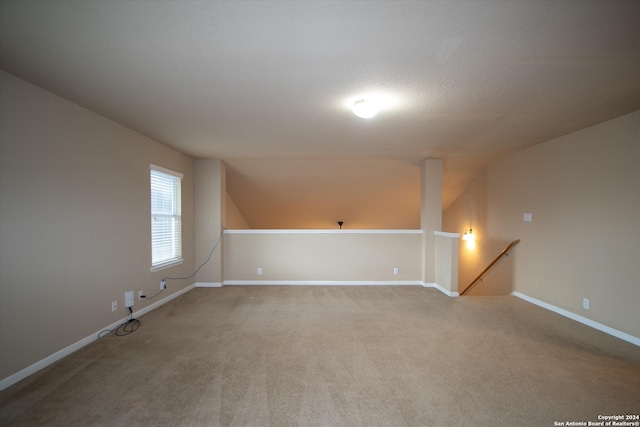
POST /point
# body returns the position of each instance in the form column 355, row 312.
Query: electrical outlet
column 163, row 285
column 259, row 271
column 128, row 299
column 585, row 303
column 114, row 306
column 395, row 271
column 140, row 295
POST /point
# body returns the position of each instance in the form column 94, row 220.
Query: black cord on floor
column 126, row 328
column 132, row 324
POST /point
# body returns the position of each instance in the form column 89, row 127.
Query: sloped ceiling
column 266, row 86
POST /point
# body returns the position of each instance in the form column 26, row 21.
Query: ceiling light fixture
column 364, row 109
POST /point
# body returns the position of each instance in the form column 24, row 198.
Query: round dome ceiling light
column 364, row 109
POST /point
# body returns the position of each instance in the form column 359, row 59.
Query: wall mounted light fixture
column 469, row 238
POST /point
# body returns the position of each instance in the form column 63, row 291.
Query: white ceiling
column 264, row 86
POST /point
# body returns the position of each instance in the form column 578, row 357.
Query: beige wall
column 74, row 223
column 470, row 211
column 583, row 191
column 322, row 255
column 446, row 261
column 210, row 219
column 430, row 214
column 235, row 219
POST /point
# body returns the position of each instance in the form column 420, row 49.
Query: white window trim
column 165, row 170
column 175, row 261
column 171, row 263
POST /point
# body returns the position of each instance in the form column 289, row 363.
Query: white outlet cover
column 259, row 271
column 528, row 217
column 128, row 299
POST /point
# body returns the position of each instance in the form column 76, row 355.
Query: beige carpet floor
column 336, row 356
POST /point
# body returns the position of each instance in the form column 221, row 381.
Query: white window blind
column 166, row 224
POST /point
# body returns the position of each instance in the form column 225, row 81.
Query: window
column 166, row 227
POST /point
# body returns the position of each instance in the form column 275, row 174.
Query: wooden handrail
column 504, row 251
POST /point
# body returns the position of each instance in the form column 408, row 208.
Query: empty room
column 319, row 213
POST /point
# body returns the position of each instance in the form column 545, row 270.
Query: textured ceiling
column 265, row 87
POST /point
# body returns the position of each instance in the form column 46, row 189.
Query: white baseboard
column 441, row 289
column 208, row 285
column 599, row 326
column 338, row 283
column 322, row 282
column 41, row 364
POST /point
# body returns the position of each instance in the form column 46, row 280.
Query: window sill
column 167, row 264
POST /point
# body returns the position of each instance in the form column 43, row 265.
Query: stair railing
column 504, row 252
